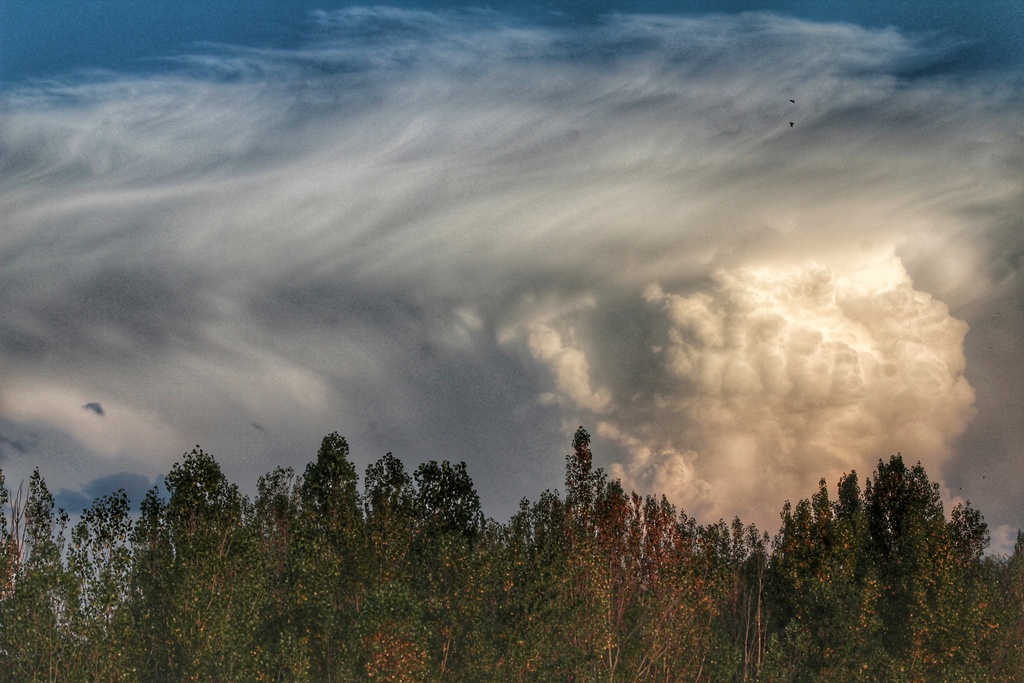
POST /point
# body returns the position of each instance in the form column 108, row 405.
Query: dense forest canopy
column 406, row 580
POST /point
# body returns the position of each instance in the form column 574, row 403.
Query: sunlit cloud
column 776, row 378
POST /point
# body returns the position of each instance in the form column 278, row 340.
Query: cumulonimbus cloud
column 420, row 217
column 779, row 377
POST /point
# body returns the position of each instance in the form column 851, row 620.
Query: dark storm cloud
column 72, row 502
column 454, row 235
column 133, row 484
column 98, row 311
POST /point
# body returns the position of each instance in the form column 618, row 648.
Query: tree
column 36, row 615
column 880, row 586
column 586, row 596
column 282, row 647
column 824, row 595
column 329, row 487
column 389, row 501
column 151, row 590
column 1006, row 575
column 667, row 627
column 329, row 568
column 100, row 561
column 907, row 543
column 393, row 639
column 533, row 611
column 11, row 540
column 447, row 501
column 197, row 572
column 409, row 582
column 449, row 522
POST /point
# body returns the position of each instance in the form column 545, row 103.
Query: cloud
column 20, row 444
column 134, row 485
column 16, row 443
column 94, row 407
column 72, row 502
column 444, row 234
column 1004, row 540
column 570, row 368
column 125, row 429
column 778, row 377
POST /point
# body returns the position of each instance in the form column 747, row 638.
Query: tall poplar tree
column 329, row 572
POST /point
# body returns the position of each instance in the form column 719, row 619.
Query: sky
column 747, row 245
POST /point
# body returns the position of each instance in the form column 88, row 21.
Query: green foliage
column 1006, row 575
column 10, row 540
column 35, row 616
column 446, row 501
column 194, row 577
column 329, row 496
column 327, row 574
column 407, row 581
column 390, row 508
column 100, row 561
column 880, row 586
column 393, row 638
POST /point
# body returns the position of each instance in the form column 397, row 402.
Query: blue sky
column 458, row 232
column 40, row 38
